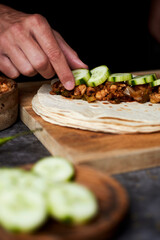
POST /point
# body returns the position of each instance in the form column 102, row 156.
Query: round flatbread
column 102, row 116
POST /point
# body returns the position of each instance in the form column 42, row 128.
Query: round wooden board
column 113, row 205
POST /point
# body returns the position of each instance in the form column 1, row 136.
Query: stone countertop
column 143, row 187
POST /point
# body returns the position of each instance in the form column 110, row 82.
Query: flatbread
column 100, row 116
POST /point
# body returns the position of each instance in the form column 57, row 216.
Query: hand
column 154, row 19
column 28, row 45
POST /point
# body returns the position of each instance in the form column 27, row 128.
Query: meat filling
column 109, row 91
column 155, row 95
column 4, row 86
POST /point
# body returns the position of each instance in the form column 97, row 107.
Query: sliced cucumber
column 22, row 210
column 98, row 76
column 33, row 182
column 155, row 83
column 18, row 178
column 119, row 77
column 9, row 177
column 54, row 169
column 26, row 197
column 81, row 76
column 72, row 203
column 142, row 79
column 134, row 82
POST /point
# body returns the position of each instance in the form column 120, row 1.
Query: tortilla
column 100, row 116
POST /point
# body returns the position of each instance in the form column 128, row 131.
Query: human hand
column 28, row 45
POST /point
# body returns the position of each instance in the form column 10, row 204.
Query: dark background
column 114, row 33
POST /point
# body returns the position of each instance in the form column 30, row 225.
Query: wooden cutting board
column 108, row 152
column 112, row 202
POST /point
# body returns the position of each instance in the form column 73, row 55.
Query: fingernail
column 69, row 85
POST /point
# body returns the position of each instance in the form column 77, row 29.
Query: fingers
column 71, row 56
column 8, row 68
column 20, row 61
column 30, row 46
column 53, row 51
column 25, row 53
column 37, row 58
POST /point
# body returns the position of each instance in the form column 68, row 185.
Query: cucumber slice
column 33, row 182
column 142, row 79
column 155, row 83
column 54, row 169
column 72, row 203
column 98, row 76
column 81, row 76
column 134, row 82
column 22, row 210
column 119, row 77
column 9, row 177
column 18, row 178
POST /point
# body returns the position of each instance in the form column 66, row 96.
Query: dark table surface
column 143, row 219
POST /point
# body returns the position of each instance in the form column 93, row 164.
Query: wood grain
column 110, row 153
column 113, row 205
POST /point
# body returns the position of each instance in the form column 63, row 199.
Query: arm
column 29, row 46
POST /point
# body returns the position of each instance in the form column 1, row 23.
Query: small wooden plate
column 8, row 104
column 113, row 205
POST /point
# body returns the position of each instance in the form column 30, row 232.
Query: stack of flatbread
column 100, row 116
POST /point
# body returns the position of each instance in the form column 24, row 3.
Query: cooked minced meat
column 155, row 95
column 4, row 86
column 109, row 91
